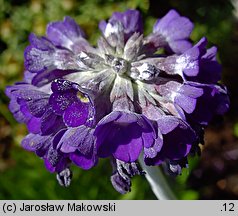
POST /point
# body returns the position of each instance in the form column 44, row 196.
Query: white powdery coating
column 144, row 70
column 183, row 62
column 67, row 42
column 83, row 55
column 173, row 95
column 112, row 29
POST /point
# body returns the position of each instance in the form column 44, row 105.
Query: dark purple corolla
column 120, row 100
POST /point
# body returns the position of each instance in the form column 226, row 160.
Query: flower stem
column 157, row 181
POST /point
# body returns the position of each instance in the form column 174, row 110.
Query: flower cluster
column 132, row 95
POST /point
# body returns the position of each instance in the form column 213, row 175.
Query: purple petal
column 79, row 142
column 37, row 107
column 190, row 91
column 53, row 156
column 54, row 159
column 50, row 122
column 167, row 124
column 65, row 101
column 76, row 114
column 38, row 54
column 25, row 91
column 175, row 30
column 28, row 76
column 179, row 46
column 188, row 104
column 60, row 166
column 152, row 150
column 60, row 102
column 173, row 26
column 47, row 76
column 80, row 138
column 186, row 64
column 64, row 33
column 36, row 101
column 42, row 55
column 120, row 134
column 192, row 57
column 34, row 125
column 33, row 142
column 57, row 137
column 61, row 85
column 214, row 101
column 42, row 152
column 210, row 69
column 162, row 23
column 131, row 21
column 128, row 151
column 177, row 140
column 186, row 97
column 67, row 34
column 83, row 161
column 14, row 107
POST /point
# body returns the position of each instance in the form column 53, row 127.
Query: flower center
column 119, row 65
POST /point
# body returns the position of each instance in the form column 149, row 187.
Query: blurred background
column 214, row 175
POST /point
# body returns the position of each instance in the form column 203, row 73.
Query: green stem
column 157, row 181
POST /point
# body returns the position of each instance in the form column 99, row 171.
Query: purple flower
column 65, row 101
column 120, row 100
column 174, row 141
column 130, row 21
column 67, row 34
column 129, row 132
column 172, row 32
column 44, row 147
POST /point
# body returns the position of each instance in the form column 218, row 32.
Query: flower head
column 120, row 99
